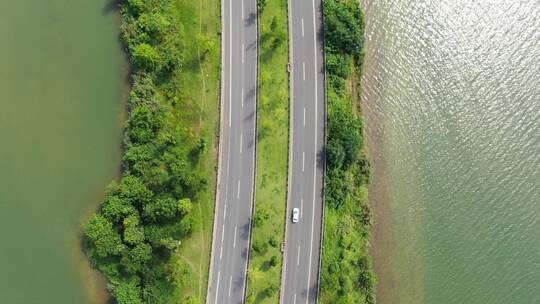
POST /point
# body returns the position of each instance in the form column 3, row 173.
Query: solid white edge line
column 217, row 286
column 230, row 63
column 220, row 158
column 252, row 197
column 291, row 147
column 315, row 149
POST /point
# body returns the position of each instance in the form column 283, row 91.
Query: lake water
column 62, row 76
column 452, row 90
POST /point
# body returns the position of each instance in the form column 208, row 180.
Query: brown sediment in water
column 93, row 282
column 381, row 211
column 372, row 90
column 399, row 274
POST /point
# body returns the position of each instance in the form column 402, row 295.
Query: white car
column 295, row 215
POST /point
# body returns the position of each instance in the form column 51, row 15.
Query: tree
column 335, row 155
column 132, row 189
column 127, row 293
column 134, row 261
column 138, row 158
column 344, row 131
column 344, row 27
column 338, row 65
column 185, row 206
column 154, row 24
column 261, row 4
column 144, row 124
column 115, row 208
column 104, row 237
column 142, row 90
column 133, row 233
column 162, row 209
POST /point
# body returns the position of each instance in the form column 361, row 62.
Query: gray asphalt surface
column 232, row 224
column 306, row 167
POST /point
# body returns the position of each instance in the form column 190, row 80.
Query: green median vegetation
column 346, row 273
column 264, row 275
column 151, row 236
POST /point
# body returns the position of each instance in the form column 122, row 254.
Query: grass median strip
column 272, row 154
column 152, row 234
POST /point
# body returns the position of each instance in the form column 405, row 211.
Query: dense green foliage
column 146, row 216
column 346, row 274
column 272, row 154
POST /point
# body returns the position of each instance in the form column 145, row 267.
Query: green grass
column 272, row 155
column 197, row 107
column 346, row 271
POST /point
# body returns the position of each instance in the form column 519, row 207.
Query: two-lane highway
column 306, row 167
column 234, row 197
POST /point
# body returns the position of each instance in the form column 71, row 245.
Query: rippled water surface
column 453, row 123
column 61, row 81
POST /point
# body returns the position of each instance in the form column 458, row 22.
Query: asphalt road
column 234, row 198
column 306, row 167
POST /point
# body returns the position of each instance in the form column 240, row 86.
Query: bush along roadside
column 272, row 155
column 346, row 273
column 155, row 209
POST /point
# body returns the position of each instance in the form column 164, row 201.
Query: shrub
column 146, row 57
column 273, row 261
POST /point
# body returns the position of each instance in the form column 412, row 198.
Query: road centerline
column 234, row 239
column 241, row 138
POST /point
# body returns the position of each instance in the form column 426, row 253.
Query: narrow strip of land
column 272, row 155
